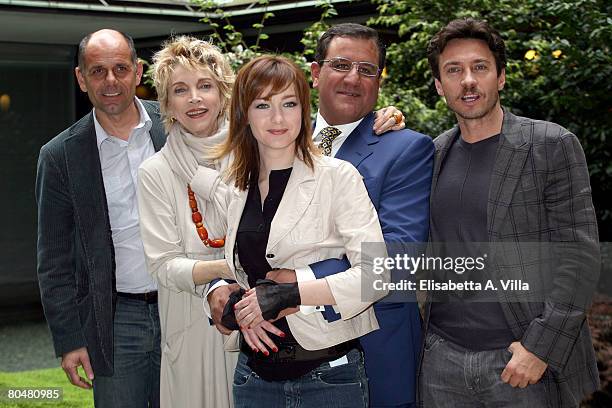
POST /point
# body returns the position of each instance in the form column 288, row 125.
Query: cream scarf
column 185, row 152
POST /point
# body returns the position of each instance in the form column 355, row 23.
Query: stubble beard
column 478, row 114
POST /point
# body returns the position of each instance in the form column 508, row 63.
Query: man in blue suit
column 396, row 168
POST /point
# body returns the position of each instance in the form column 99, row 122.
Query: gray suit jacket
column 540, row 193
column 76, row 261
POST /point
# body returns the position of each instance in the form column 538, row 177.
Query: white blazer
column 324, row 213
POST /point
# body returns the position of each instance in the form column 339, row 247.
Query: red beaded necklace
column 196, row 217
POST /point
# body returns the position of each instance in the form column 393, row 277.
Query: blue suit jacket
column 397, row 169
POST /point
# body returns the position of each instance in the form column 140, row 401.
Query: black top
column 459, row 215
column 251, row 240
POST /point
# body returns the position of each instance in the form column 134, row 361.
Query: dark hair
column 351, row 30
column 466, row 28
column 85, row 41
column 278, row 73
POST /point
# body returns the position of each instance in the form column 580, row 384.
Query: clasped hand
column 222, row 301
column 269, row 300
column 265, row 302
column 248, row 312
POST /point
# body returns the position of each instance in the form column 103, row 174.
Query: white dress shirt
column 120, row 160
column 345, row 131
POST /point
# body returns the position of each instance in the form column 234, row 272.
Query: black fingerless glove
column 228, row 318
column 274, row 297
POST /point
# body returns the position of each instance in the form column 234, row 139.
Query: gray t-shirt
column 459, row 215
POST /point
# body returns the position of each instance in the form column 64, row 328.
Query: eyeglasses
column 345, row 65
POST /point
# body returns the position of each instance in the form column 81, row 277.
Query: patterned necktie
column 329, row 134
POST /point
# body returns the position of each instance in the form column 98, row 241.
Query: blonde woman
column 183, row 234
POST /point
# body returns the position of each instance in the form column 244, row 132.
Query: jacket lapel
column 296, row 199
column 157, row 133
column 358, row 145
column 234, row 213
column 512, row 152
column 85, row 178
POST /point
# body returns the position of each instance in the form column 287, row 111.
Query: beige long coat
column 196, row 372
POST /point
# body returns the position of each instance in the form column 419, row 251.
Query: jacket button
column 269, row 255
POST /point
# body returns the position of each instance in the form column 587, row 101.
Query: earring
column 172, row 119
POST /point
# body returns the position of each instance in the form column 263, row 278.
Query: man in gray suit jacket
column 99, row 300
column 520, row 186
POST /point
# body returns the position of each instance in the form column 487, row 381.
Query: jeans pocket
column 432, row 341
column 243, row 373
column 346, row 374
column 506, row 355
column 241, row 380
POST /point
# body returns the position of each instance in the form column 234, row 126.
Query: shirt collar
column 346, row 129
column 144, row 122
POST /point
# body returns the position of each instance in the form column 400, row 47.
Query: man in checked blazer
column 514, row 183
column 99, row 300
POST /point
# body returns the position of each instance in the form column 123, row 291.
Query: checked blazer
column 540, row 193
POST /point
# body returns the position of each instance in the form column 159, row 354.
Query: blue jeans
column 137, row 355
column 342, row 386
column 452, row 376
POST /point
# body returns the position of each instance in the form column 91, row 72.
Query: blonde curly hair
column 191, row 53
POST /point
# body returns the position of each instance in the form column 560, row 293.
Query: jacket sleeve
column 162, row 241
column 356, row 221
column 56, row 267
column 573, row 234
column 403, row 208
column 330, row 266
column 404, row 201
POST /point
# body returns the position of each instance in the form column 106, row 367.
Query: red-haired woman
column 287, row 207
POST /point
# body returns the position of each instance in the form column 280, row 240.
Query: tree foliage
column 559, row 65
column 559, row 69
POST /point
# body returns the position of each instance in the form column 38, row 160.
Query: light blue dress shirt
column 120, row 160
